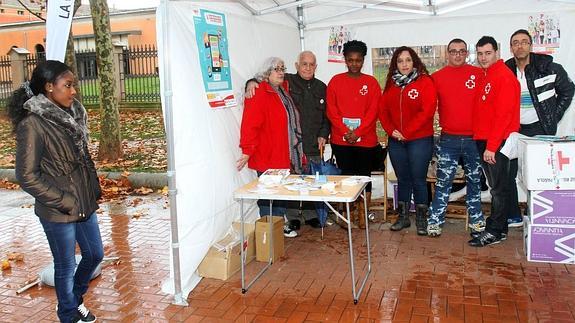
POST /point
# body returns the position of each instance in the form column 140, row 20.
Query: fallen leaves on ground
column 6, row 264
column 5, row 184
column 15, row 256
column 143, row 142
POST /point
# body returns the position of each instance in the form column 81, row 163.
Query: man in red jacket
column 496, row 115
column 456, row 86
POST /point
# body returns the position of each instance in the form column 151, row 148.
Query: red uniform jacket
column 496, row 112
column 410, row 109
column 264, row 130
column 456, row 94
column 353, row 98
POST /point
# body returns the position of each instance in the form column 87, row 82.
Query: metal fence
column 5, row 79
column 138, row 77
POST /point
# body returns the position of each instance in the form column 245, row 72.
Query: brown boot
column 361, row 214
column 352, row 217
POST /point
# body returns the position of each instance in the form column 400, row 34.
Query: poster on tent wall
column 433, row 56
column 338, row 35
column 212, row 41
column 545, row 33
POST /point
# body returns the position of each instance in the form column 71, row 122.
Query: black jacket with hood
column 49, row 164
column 550, row 88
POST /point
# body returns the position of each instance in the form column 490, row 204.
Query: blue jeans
column 449, row 150
column 410, row 160
column 279, row 207
column 62, row 238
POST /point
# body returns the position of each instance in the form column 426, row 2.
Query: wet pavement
column 413, row 279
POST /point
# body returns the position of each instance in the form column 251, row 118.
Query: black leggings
column 354, row 160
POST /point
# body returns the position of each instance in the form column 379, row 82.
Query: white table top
column 341, row 193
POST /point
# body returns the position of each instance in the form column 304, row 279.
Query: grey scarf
column 402, row 80
column 72, row 122
column 294, row 129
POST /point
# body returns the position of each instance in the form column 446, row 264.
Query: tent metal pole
column 300, row 27
column 171, row 173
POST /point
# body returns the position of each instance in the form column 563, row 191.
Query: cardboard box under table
column 263, row 239
column 223, row 259
column 336, row 193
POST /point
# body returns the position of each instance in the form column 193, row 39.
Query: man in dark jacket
column 308, row 93
column 546, row 93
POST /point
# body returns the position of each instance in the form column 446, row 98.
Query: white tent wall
column 206, row 140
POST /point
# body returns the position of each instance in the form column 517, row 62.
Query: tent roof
column 323, row 13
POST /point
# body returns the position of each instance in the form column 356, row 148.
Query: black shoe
column 84, row 315
column 314, row 223
column 484, row 239
column 294, row 224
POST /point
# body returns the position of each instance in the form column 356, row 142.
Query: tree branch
column 30, row 11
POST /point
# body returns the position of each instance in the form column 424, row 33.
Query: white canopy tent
column 203, row 142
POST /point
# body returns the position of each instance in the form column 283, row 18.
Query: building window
column 20, row 12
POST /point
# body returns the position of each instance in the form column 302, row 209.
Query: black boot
column 402, row 218
column 421, row 219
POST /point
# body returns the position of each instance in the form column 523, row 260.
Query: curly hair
column 45, row 72
column 417, row 64
column 355, row 46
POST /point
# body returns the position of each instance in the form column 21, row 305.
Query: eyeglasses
column 522, row 43
column 280, row 69
column 460, row 52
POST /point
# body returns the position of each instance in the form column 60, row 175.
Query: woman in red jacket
column 406, row 109
column 270, row 135
column 352, row 99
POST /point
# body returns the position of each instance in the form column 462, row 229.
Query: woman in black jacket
column 54, row 166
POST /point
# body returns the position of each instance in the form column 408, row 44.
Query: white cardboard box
column 547, row 165
column 549, row 243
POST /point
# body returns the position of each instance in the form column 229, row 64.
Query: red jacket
column 410, row 109
column 496, row 112
column 456, row 96
column 353, row 98
column 264, row 131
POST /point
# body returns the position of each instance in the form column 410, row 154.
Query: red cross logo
column 413, row 94
column 363, row 90
column 470, row 84
column 560, row 160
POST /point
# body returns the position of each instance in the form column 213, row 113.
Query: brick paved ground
column 414, row 279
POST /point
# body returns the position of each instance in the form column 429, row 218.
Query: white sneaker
column 457, row 195
column 289, row 233
column 486, row 196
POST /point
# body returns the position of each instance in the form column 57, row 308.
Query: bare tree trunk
column 110, row 141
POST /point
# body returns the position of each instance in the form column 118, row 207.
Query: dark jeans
column 499, row 179
column 279, row 207
column 527, row 130
column 410, row 160
column 62, row 238
column 449, row 150
column 354, row 160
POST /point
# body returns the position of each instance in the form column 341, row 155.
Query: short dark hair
column 487, row 40
column 456, row 40
column 520, row 31
column 355, row 46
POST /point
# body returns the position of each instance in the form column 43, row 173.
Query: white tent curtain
column 206, row 141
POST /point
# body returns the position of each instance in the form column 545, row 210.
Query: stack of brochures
column 274, row 176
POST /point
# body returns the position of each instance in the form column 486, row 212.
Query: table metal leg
column 271, row 241
column 347, row 219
